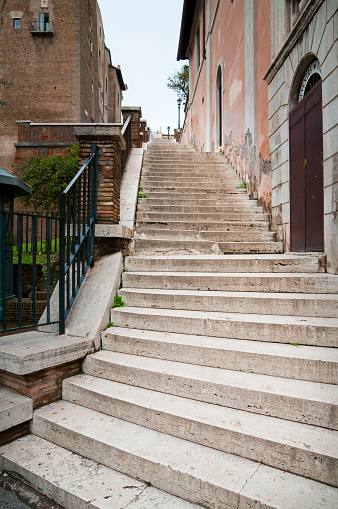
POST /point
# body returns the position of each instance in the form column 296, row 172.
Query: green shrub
column 48, row 177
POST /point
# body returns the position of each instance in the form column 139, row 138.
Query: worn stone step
column 294, row 400
column 158, row 184
column 187, row 201
column 165, row 246
column 227, row 226
column 200, row 216
column 233, row 282
column 312, row 363
column 215, row 236
column 75, row 481
column 195, row 195
column 278, row 443
column 263, row 263
column 145, row 206
column 294, row 304
column 277, row 328
column 250, row 247
column 194, row 178
column 15, row 409
column 195, row 472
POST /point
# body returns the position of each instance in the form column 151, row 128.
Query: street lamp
column 168, row 129
column 179, row 102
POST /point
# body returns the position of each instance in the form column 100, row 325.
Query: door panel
column 306, row 173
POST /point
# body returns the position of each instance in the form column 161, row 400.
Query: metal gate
column 306, row 173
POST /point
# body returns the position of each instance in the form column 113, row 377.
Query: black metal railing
column 78, row 213
column 29, row 247
column 126, row 133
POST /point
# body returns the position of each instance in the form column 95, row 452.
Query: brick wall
column 135, row 111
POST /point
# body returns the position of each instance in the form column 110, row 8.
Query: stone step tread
column 202, row 216
column 290, row 399
column 289, row 321
column 209, row 246
column 313, row 363
column 224, row 429
column 322, row 305
column 204, row 226
column 14, row 409
column 247, row 263
column 198, row 208
column 76, row 481
column 197, row 472
column 256, row 327
column 178, row 234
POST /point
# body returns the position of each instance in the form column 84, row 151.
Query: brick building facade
column 54, row 57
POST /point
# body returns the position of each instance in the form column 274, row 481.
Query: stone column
column 110, row 142
column 135, row 111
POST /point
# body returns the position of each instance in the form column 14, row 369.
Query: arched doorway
column 219, row 108
column 306, row 164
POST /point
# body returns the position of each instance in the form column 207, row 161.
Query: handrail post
column 62, row 248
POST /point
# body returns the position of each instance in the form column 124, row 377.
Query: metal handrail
column 126, row 133
column 78, row 211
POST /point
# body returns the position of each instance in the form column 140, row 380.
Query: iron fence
column 126, row 133
column 78, row 213
column 29, row 244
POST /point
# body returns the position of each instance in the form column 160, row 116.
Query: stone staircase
column 216, row 386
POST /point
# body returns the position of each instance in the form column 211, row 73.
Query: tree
column 179, row 82
column 48, row 177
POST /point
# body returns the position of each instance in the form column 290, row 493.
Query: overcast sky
column 143, row 38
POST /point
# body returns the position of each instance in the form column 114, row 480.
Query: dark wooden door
column 306, row 173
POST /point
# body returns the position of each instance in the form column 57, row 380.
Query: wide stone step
column 200, row 216
column 294, row 304
column 15, row 409
column 188, row 179
column 208, row 200
column 278, row 443
column 315, row 364
column 263, row 263
column 195, row 472
column 166, row 246
column 294, row 400
column 145, row 206
column 75, row 481
column 280, row 329
column 158, row 184
column 215, row 236
column 257, row 226
column 186, row 171
column 233, row 282
column 195, row 195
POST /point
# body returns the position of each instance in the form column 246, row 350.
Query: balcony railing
column 41, row 27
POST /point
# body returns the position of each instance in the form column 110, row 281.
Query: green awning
column 9, row 184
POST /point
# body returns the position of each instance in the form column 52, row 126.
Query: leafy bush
column 49, row 176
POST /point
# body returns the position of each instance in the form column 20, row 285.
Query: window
column 198, row 48
column 44, row 22
column 16, row 22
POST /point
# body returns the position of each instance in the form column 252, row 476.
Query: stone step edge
column 293, row 400
column 312, row 363
column 73, row 480
column 213, row 426
column 175, row 465
column 15, row 409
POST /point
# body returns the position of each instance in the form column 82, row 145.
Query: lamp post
column 168, row 129
column 179, row 102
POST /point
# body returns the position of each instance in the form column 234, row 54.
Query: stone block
column 330, row 63
column 331, row 8
column 278, row 119
column 330, row 86
column 328, row 199
column 331, row 170
column 330, row 143
column 286, row 212
column 319, row 28
column 330, row 115
column 326, row 42
column 280, row 136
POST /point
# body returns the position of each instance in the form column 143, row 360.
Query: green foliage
column 294, row 344
column 49, row 176
column 242, row 186
column 110, row 324
column 118, row 302
column 179, row 82
column 140, row 195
